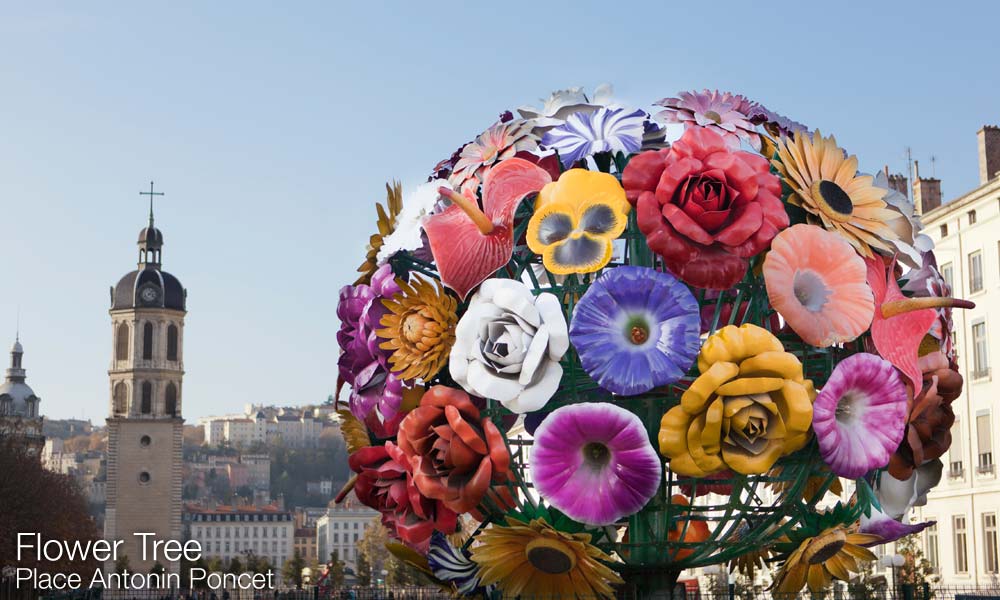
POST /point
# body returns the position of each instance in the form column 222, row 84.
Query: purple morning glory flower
column 860, row 415
column 362, row 364
column 584, row 134
column 887, row 528
column 636, row 329
column 594, row 462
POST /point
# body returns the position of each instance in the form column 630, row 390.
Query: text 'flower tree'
column 600, row 346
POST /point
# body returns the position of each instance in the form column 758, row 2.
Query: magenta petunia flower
column 594, row 462
column 860, row 415
column 887, row 528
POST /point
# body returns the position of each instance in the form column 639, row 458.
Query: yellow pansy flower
column 575, row 221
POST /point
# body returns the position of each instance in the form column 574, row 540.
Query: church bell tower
column 145, row 426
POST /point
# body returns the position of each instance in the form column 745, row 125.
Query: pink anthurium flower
column 897, row 337
column 468, row 243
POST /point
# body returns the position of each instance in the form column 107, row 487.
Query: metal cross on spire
column 151, row 193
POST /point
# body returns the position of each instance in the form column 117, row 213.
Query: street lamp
column 893, row 561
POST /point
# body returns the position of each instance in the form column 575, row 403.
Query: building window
column 990, row 542
column 932, row 546
column 944, row 230
column 120, row 399
column 947, row 273
column 172, row 342
column 147, row 341
column 985, row 439
column 976, row 272
column 961, row 552
column 980, row 351
column 147, row 398
column 972, row 217
column 121, row 343
column 171, row 402
column 955, row 452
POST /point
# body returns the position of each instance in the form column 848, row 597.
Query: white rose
column 508, row 345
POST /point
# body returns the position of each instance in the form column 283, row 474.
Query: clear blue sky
column 272, row 127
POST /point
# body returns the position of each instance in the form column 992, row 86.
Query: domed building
column 145, row 426
column 19, row 416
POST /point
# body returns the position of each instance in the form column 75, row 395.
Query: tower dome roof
column 150, row 237
column 129, row 292
column 15, row 394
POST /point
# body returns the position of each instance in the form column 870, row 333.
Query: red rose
column 706, row 209
column 385, row 483
column 457, row 456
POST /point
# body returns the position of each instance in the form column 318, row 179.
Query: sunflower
column 535, row 560
column 833, row 553
column 387, row 219
column 419, row 329
column 825, row 183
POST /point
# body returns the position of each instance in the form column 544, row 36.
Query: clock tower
column 145, row 427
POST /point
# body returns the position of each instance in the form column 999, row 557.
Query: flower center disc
column 824, row 547
column 596, row 454
column 810, row 290
column 637, row 331
column 413, row 328
column 550, row 556
column 834, row 198
column 711, row 114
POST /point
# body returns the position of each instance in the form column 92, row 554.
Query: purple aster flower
column 452, row 565
column 584, row 134
column 636, row 329
column 362, row 364
column 719, row 111
column 775, row 123
column 887, row 528
column 860, row 415
column 594, row 462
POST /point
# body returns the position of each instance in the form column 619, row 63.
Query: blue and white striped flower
column 606, row 130
column 452, row 565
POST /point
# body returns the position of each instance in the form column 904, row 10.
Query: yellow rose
column 749, row 407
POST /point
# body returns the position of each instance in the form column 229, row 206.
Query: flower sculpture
column 594, row 462
column 586, row 134
column 385, row 483
column 826, row 185
column 456, row 455
column 705, row 208
column 520, row 347
column 418, row 329
column 576, row 219
column 508, row 345
column 534, row 560
column 749, row 406
column 650, row 321
column 817, row 282
column 469, row 243
column 860, row 414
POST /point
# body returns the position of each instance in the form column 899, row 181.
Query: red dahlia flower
column 705, row 208
column 385, row 483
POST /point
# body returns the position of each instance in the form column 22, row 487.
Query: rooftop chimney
column 926, row 191
column 897, row 181
column 989, row 153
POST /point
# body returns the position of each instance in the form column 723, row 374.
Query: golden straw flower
column 419, row 329
column 825, row 183
column 386, row 224
column 833, row 554
column 533, row 560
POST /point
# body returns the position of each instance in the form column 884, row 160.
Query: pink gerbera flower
column 720, row 111
column 860, row 415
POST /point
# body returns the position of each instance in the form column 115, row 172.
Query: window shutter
column 983, row 433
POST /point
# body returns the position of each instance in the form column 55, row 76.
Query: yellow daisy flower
column 576, row 220
column 825, row 183
column 419, row 329
column 833, row 554
column 533, row 560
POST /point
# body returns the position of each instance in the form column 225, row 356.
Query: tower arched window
column 121, row 342
column 147, row 398
column 147, row 341
column 120, row 399
column 6, row 405
column 171, row 400
column 172, row 342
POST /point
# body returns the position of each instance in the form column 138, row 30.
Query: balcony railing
column 982, row 373
column 955, row 470
column 985, row 463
